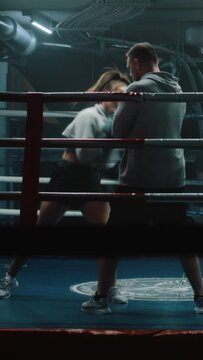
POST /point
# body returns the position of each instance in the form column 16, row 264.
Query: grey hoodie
column 158, row 167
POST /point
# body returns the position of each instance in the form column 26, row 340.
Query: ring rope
column 104, row 96
column 148, row 197
column 45, row 180
column 116, row 142
column 23, row 113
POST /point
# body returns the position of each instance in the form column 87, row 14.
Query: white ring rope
column 16, row 212
column 45, row 180
column 23, row 113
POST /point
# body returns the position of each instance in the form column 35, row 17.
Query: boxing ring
column 113, row 341
column 33, row 142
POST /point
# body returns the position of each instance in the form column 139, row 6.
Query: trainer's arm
column 124, row 118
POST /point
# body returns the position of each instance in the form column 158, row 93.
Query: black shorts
column 71, row 177
column 138, row 211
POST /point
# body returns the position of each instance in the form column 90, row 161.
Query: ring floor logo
column 145, row 289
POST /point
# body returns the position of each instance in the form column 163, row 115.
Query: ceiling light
column 41, row 27
column 57, row 45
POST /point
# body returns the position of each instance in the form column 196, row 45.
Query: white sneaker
column 96, row 306
column 199, row 305
column 4, row 294
column 6, row 284
column 116, row 297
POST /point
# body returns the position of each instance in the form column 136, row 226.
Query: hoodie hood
column 166, row 80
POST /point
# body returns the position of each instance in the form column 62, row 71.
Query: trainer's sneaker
column 6, row 284
column 116, row 297
column 96, row 306
column 199, row 305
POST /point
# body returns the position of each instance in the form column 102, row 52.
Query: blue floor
column 45, row 299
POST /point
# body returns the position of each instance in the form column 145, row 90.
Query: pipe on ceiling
column 15, row 37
